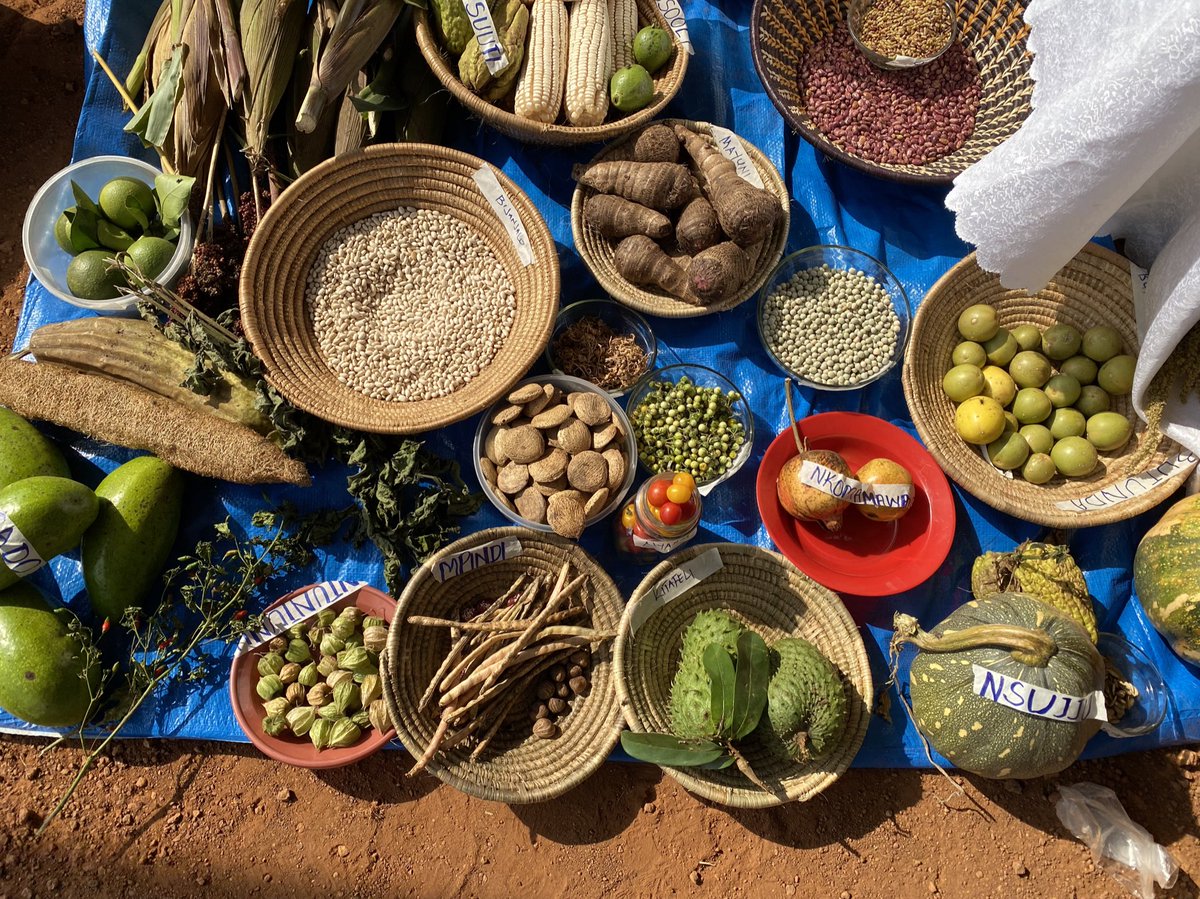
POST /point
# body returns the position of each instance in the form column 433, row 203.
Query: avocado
column 51, row 515
column 41, row 662
column 128, row 544
column 24, row 452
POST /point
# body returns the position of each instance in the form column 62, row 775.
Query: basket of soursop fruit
column 746, row 680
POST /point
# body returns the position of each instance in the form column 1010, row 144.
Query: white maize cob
column 624, row 17
column 543, row 75
column 589, row 62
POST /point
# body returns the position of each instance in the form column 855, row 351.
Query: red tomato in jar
column 656, row 493
column 687, row 510
column 670, row 513
column 639, row 531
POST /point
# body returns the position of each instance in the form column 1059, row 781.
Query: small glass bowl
column 1135, row 666
column 844, row 258
column 621, row 319
column 700, row 376
column 854, row 14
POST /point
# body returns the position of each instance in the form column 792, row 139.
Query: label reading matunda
column 888, row 496
column 1130, row 487
column 731, row 148
column 17, row 553
column 485, row 32
column 677, row 22
column 489, row 186
column 298, row 609
column 1031, row 699
column 476, row 557
column 678, row 582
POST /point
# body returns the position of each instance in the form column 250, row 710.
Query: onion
column 808, row 503
column 879, row 472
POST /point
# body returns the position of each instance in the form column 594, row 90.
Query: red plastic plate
column 864, row 558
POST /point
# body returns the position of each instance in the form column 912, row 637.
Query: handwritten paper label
column 731, row 148
column 301, row 608
column 489, row 186
column 486, row 33
column 476, row 557
column 675, row 584
column 17, row 552
column 1031, row 699
column 1132, row 486
column 663, row 546
column 677, row 22
column 889, row 496
column 1140, row 279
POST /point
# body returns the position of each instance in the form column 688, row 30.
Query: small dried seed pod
column 523, row 444
column 574, row 436
column 592, row 409
column 558, row 673
column 580, row 657
column 507, row 414
column 535, row 710
column 563, row 691
column 587, row 471
column 278, row 644
column 545, row 690
column 513, row 477
column 545, row 729
column 579, row 686
column 525, row 394
column 557, row 706
column 575, row 671
column 552, row 417
column 543, row 710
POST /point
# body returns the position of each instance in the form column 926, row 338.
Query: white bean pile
column 831, row 326
column 409, row 305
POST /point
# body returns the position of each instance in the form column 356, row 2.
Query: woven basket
column 773, row 598
column 1094, row 288
column 349, row 188
column 994, row 31
column 517, row 767
column 667, row 82
column 597, row 251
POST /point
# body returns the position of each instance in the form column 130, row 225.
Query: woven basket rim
column 959, row 460
column 835, row 764
column 659, row 304
column 603, row 708
column 511, row 124
column 306, row 381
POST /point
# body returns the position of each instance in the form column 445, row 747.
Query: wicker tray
column 597, row 251
column 773, row 598
column 1093, row 288
column 782, row 31
column 347, row 189
column 517, row 767
column 667, row 82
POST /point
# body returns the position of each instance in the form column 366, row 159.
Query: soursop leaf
column 720, row 670
column 751, row 679
column 669, row 750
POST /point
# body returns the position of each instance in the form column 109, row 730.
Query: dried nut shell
column 488, row 467
column 545, row 690
column 558, row 705
column 491, row 446
column 575, row 671
column 552, row 487
column 552, row 417
column 574, row 437
column 596, row 501
column 587, row 471
column 513, row 477
column 604, row 436
column 563, row 691
column 523, row 395
column 539, row 710
column 550, row 467
column 573, row 396
column 507, row 414
column 531, row 505
column 537, row 404
column 524, row 444
column 545, row 729
column 616, row 467
column 592, row 409
column 564, row 514
column 579, row 685
column 580, row 657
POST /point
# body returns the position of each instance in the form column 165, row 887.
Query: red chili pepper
column 104, row 627
column 240, row 615
column 162, row 644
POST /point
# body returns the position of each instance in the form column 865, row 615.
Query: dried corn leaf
column 351, row 132
column 271, row 34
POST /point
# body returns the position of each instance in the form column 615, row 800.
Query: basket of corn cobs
column 497, row 670
column 812, row 713
column 557, row 86
column 680, row 219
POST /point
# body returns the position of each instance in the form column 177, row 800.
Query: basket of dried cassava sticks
column 498, row 673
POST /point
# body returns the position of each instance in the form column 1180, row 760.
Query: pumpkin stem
column 1028, row 646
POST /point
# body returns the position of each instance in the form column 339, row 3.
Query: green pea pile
column 683, row 427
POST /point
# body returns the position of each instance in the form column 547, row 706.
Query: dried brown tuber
column 718, row 272
column 616, row 217
column 641, row 261
column 659, row 185
column 746, row 213
column 656, row 143
column 698, row 228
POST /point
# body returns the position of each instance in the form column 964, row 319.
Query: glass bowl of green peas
column 691, row 418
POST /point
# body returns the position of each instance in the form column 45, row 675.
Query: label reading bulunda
column 489, row 185
column 1135, row 485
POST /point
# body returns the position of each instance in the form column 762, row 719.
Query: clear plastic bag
column 1126, row 850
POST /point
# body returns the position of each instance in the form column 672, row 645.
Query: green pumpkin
column 1166, row 571
column 1016, row 637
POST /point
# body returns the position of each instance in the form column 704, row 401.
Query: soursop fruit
column 1045, row 572
column 691, row 691
column 806, row 702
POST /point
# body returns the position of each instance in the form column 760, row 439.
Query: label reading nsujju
column 301, row 608
column 486, row 33
column 489, row 186
column 1132, row 486
column 731, row 148
column 677, row 22
column 16, row 551
column 1042, row 702
column 476, row 557
column 675, row 584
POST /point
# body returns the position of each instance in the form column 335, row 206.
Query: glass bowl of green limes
column 102, row 209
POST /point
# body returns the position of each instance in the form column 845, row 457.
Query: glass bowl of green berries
column 834, row 318
column 691, row 418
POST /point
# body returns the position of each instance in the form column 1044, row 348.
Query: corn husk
column 351, row 131
column 271, row 33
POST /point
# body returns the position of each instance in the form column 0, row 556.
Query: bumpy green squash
column 1166, row 575
column 1017, row 638
column 691, row 691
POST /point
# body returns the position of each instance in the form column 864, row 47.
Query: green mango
column 24, row 452
column 126, row 548
column 50, row 513
column 41, row 662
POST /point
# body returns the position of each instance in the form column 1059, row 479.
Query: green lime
column 151, row 255
column 978, row 323
column 1066, row 423
column 1008, row 451
column 1092, row 401
column 1029, row 368
column 1101, row 343
column 969, row 353
column 88, row 276
column 652, row 48
column 963, row 382
column 127, row 202
column 1028, row 337
column 1031, row 405
column 113, row 237
column 1039, row 468
column 1061, row 342
column 631, row 88
column 1001, row 347
column 1116, row 375
column 1081, row 368
column 1038, row 437
column 1074, row 457
column 1063, row 390
column 61, row 236
column 1108, row 431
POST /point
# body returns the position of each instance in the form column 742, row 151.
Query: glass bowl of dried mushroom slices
column 556, row 455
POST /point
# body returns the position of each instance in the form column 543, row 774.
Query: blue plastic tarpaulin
column 906, row 227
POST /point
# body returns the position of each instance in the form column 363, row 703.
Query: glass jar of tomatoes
column 661, row 517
